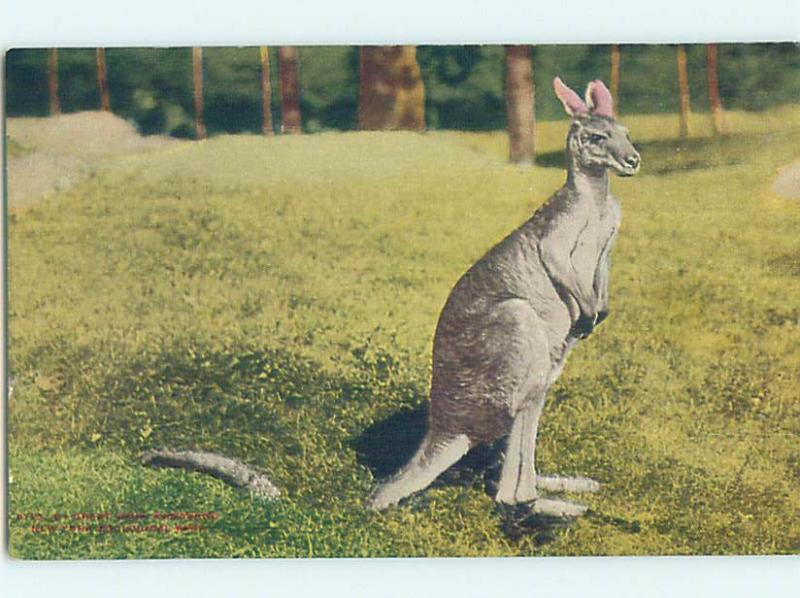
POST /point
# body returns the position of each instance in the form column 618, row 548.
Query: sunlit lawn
column 272, row 299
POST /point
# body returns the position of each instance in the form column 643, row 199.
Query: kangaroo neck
column 588, row 184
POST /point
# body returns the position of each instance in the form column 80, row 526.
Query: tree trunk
column 266, row 93
column 717, row 112
column 376, row 90
column 615, row 56
column 391, row 90
column 102, row 80
column 199, row 108
column 683, row 84
column 291, row 119
column 520, row 103
column 410, row 95
column 52, row 81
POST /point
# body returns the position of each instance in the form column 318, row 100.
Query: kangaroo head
column 596, row 141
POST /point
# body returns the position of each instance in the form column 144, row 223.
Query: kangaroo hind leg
column 430, row 461
column 518, row 476
column 558, row 483
column 518, row 480
column 528, row 358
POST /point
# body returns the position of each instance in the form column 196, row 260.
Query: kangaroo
column 512, row 319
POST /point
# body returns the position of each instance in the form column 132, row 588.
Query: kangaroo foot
column 556, row 483
column 523, row 494
column 551, row 507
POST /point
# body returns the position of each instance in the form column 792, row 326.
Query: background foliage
column 464, row 84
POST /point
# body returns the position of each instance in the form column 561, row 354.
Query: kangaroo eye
column 595, row 138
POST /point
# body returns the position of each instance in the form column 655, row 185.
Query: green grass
column 273, row 299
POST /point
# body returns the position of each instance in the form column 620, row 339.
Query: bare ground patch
column 787, row 183
column 50, row 154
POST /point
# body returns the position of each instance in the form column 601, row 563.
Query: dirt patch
column 36, row 175
column 787, row 183
column 51, row 154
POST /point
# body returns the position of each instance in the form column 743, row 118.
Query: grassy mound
column 275, row 300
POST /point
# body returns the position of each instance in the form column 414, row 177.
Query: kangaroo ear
column 573, row 103
column 599, row 99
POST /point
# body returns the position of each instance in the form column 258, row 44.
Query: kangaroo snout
column 631, row 163
column 628, row 164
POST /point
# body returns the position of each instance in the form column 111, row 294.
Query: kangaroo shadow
column 556, row 159
column 388, row 445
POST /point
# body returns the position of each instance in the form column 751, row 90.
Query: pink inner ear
column 573, row 103
column 601, row 100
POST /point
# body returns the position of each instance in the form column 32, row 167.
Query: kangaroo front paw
column 518, row 496
column 601, row 315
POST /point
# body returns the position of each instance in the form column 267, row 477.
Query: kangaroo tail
column 431, row 459
column 228, row 470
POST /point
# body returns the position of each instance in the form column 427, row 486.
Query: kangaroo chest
column 596, row 225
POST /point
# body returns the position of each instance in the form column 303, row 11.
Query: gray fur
column 511, row 320
column 228, row 470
